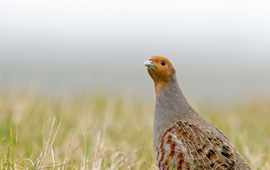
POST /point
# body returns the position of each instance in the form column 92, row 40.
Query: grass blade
column 12, row 147
column 86, row 151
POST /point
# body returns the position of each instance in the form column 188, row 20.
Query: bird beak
column 148, row 64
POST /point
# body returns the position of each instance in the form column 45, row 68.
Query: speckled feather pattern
column 189, row 146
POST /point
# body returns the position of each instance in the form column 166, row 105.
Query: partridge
column 182, row 139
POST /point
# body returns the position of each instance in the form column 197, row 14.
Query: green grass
column 102, row 131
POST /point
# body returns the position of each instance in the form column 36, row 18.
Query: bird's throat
column 159, row 86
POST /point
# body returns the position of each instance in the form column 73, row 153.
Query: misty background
column 220, row 49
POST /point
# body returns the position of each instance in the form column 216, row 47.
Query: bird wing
column 189, row 146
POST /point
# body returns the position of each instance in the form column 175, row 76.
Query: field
column 103, row 131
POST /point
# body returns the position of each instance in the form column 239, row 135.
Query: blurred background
column 220, row 49
column 90, row 55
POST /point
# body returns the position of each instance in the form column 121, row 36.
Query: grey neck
column 171, row 106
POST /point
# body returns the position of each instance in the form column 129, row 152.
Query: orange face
column 158, row 69
column 161, row 61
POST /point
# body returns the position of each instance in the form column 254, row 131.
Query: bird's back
column 189, row 145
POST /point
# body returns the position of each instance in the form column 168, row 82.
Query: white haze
column 220, row 49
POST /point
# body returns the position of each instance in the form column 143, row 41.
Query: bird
column 182, row 139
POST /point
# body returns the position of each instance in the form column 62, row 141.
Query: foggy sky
column 219, row 48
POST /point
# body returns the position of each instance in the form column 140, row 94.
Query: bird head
column 161, row 70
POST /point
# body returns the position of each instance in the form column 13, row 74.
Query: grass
column 102, row 131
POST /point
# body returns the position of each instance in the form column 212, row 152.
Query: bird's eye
column 163, row 63
column 151, row 61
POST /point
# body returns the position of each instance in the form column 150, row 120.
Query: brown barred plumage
column 188, row 146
